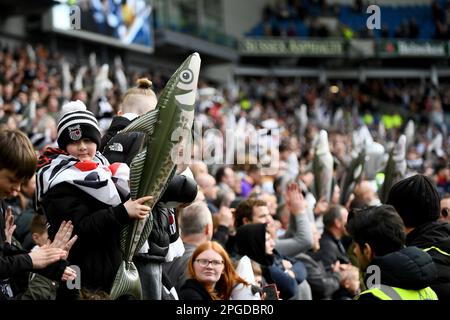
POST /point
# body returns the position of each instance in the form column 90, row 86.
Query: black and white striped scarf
column 97, row 178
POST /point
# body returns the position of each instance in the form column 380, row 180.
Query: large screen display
column 116, row 22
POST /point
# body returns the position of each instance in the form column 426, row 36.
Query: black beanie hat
column 180, row 189
column 416, row 200
column 77, row 123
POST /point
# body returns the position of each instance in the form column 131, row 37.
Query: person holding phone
column 270, row 292
column 254, row 240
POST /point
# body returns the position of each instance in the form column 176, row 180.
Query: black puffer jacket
column 409, row 268
column 117, row 124
column 97, row 251
column 194, row 290
column 121, row 147
column 160, row 237
column 331, row 250
column 435, row 234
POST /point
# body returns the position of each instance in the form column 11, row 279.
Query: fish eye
column 186, row 76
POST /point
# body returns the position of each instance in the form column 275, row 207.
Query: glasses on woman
column 205, row 262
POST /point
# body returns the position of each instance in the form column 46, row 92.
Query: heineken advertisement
column 291, row 47
column 336, row 48
column 413, row 48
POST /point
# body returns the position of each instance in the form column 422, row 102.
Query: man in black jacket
column 331, row 248
column 332, row 253
column 394, row 272
column 417, row 201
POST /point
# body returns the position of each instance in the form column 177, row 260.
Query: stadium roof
column 24, row 7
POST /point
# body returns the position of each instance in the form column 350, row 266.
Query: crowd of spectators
column 35, row 84
column 302, row 18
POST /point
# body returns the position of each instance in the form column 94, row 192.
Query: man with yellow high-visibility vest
column 393, row 271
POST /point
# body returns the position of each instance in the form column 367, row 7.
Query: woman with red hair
column 213, row 276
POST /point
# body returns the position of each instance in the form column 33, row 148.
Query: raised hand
column 136, row 209
column 350, row 278
column 288, row 268
column 294, row 199
column 9, row 225
column 69, row 274
column 46, row 255
column 226, row 216
column 62, row 238
column 337, row 267
column 286, row 264
column 321, row 206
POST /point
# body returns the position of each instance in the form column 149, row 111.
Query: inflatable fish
column 153, row 167
column 395, row 168
column 323, row 168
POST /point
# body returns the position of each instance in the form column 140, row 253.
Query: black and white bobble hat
column 76, row 123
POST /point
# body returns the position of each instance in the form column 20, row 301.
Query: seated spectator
column 297, row 238
column 254, row 241
column 40, row 287
column 213, row 276
column 38, row 229
column 324, row 283
column 331, row 248
column 225, row 179
column 23, row 209
column 207, row 185
column 367, row 193
column 251, row 180
column 196, row 227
